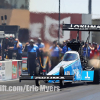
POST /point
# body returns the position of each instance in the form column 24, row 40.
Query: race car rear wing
column 80, row 27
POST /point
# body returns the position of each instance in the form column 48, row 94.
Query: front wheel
column 61, row 74
column 37, row 82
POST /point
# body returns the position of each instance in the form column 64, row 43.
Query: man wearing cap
column 54, row 54
column 32, row 50
column 41, row 47
column 18, row 49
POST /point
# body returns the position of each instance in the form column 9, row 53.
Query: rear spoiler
column 80, row 27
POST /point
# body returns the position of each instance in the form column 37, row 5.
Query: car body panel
column 72, row 68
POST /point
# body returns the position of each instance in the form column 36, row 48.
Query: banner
column 47, row 26
column 14, row 69
column 2, row 71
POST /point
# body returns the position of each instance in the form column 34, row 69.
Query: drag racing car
column 73, row 67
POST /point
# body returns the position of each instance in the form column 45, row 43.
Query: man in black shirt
column 11, row 44
column 6, row 46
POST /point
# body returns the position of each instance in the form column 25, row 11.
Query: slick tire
column 46, row 81
column 69, row 83
column 19, row 80
column 37, row 73
column 61, row 74
column 96, row 76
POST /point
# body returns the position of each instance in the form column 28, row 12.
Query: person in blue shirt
column 40, row 44
column 64, row 49
column 17, row 48
column 54, row 54
column 41, row 47
column 32, row 51
column 85, row 50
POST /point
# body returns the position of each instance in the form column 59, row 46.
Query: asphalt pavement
column 76, row 91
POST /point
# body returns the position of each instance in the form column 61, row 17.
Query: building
column 17, row 14
column 14, row 4
column 41, row 24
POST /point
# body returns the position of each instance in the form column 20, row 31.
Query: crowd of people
column 93, row 50
column 36, row 50
column 12, row 46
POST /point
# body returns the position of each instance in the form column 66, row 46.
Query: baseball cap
column 39, row 39
column 31, row 40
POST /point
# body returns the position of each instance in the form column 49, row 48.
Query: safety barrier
column 10, row 69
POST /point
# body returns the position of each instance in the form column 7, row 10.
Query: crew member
column 65, row 48
column 41, row 47
column 32, row 50
column 54, row 50
column 18, row 47
column 6, row 47
column 10, row 51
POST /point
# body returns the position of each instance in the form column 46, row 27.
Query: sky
column 66, row 6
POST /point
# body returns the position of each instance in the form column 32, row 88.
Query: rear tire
column 69, row 83
column 96, row 76
column 37, row 73
column 61, row 74
column 19, row 80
